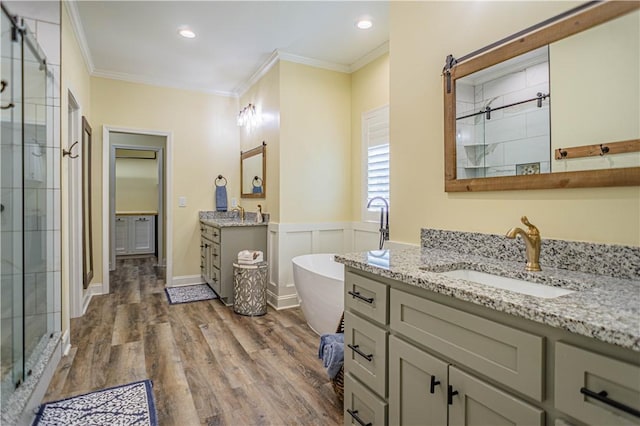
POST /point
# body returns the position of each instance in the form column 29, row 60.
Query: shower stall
column 29, row 212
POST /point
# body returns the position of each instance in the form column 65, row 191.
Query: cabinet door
column 122, row 233
column 143, row 234
column 478, row 403
column 417, row 386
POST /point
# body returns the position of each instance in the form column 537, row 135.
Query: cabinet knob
column 450, row 394
column 434, row 383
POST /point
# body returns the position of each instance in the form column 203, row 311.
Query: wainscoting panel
column 288, row 240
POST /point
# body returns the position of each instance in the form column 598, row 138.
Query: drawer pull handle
column 434, row 383
column 356, row 349
column 356, row 294
column 602, row 397
column 357, row 418
column 450, row 393
column 215, row 234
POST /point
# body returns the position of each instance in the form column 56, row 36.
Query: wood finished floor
column 208, row 365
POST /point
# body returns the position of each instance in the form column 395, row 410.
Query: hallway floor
column 208, row 365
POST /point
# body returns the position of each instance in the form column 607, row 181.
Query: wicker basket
column 338, row 381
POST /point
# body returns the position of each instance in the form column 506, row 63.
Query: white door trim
column 106, row 187
column 74, row 206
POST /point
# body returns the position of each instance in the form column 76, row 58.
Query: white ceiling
column 138, row 40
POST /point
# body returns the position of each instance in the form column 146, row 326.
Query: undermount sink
column 505, row 283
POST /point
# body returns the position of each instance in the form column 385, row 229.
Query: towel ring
column 256, row 179
column 221, row 178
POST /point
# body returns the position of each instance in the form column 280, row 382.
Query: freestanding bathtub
column 319, row 281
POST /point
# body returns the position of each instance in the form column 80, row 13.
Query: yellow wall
column 369, row 90
column 74, row 77
column 589, row 107
column 265, row 94
column 315, row 148
column 205, row 144
column 422, row 34
column 136, row 185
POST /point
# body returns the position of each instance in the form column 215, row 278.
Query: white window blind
column 376, row 142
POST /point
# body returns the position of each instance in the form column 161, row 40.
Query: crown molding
column 370, row 57
column 331, row 66
column 78, row 31
column 133, row 78
column 260, row 72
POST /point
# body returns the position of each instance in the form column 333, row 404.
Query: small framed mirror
column 253, row 167
column 544, row 109
column 87, row 236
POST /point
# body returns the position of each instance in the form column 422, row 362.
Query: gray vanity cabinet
column 417, row 386
column 219, row 248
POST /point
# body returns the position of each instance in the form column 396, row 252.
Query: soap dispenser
column 259, row 214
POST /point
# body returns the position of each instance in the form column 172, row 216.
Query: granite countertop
column 226, row 223
column 602, row 307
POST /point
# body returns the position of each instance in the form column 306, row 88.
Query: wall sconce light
column 248, row 117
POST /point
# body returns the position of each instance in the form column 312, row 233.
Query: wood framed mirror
column 467, row 159
column 253, row 167
column 87, row 235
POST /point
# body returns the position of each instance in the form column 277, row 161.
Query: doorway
column 137, row 166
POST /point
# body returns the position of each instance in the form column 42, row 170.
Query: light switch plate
column 234, row 202
column 182, row 201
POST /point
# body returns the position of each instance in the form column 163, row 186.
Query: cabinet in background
column 135, row 234
column 219, row 248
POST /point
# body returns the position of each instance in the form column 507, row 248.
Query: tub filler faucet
column 384, row 220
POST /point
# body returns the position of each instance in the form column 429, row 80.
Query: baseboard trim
column 185, row 280
column 66, row 343
column 94, row 289
column 282, row 302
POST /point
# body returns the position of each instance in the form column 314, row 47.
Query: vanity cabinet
column 135, row 234
column 219, row 248
column 422, row 359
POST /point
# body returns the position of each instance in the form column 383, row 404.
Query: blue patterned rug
column 189, row 293
column 130, row 404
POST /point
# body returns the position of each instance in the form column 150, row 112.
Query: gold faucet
column 531, row 241
column 240, row 209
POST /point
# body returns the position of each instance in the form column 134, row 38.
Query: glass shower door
column 11, row 215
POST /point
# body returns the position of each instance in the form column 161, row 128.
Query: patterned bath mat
column 130, row 404
column 189, row 293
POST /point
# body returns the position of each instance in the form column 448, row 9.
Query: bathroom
column 314, row 189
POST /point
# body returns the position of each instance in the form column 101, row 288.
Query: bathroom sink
column 505, row 283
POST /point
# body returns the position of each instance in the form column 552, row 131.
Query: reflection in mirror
column 252, row 172
column 499, row 121
column 87, row 236
column 502, row 122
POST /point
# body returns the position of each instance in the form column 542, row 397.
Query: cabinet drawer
column 361, row 403
column 478, row 403
column 505, row 354
column 210, row 232
column 578, row 371
column 367, row 297
column 365, row 352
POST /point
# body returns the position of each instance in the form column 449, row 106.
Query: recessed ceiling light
column 364, row 24
column 186, row 33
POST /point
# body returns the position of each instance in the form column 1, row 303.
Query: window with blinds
column 375, row 135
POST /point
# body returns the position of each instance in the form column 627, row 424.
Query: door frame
column 165, row 223
column 74, row 209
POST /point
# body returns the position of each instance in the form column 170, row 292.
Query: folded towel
column 326, row 339
column 333, row 358
column 221, row 198
column 331, row 351
column 249, row 257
